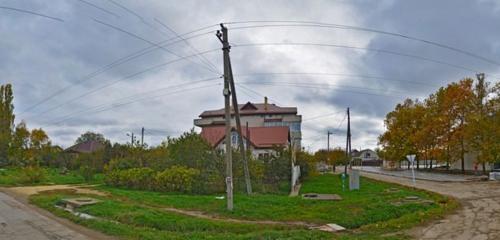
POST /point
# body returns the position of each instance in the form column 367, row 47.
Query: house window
column 263, row 155
column 295, row 126
column 234, row 138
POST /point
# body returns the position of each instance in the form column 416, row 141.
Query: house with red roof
column 269, row 125
column 261, row 141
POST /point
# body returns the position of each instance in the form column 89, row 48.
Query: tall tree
column 6, row 121
column 91, row 136
column 18, row 154
column 39, row 146
column 455, row 120
column 459, row 100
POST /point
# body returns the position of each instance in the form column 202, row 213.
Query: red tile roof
column 260, row 137
column 251, row 109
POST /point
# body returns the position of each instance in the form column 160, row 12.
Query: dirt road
column 478, row 219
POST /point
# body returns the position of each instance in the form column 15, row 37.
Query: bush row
column 173, row 179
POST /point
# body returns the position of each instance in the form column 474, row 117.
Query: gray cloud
column 40, row 57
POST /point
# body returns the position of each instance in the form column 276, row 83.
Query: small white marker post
column 411, row 159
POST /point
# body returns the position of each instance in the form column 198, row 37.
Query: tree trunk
column 462, row 156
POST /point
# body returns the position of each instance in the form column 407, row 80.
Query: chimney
column 265, row 103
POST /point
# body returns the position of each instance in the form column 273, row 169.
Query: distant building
column 267, row 125
column 85, row 147
column 366, row 157
column 470, row 163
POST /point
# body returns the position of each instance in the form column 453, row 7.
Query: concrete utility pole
column 348, row 140
column 132, row 138
column 328, row 133
column 227, row 107
column 481, row 93
column 241, row 145
column 248, row 183
column 142, row 137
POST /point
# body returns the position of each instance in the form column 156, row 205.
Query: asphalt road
column 21, row 222
column 422, row 175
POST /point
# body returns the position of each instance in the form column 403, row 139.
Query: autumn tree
column 402, row 125
column 455, row 120
column 39, row 145
column 20, row 144
column 483, row 132
column 336, row 156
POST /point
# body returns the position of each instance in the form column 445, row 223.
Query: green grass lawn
column 130, row 221
column 370, row 204
column 15, row 177
column 369, row 213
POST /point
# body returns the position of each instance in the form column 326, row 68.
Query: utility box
column 354, row 180
column 495, row 176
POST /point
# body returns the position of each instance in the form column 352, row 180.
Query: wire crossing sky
column 89, row 65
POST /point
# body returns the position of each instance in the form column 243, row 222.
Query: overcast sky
column 69, row 50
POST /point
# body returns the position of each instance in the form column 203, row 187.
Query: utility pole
column 481, row 93
column 246, row 171
column 142, row 137
column 227, row 107
column 248, row 138
column 132, row 138
column 328, row 133
column 241, row 145
column 348, row 140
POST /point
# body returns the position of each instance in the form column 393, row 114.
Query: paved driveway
column 20, row 222
column 478, row 219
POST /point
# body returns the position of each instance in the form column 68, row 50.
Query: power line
column 340, row 124
column 150, row 42
column 360, row 48
column 99, row 8
column 316, row 87
column 333, row 74
column 139, row 100
column 322, row 116
column 126, row 9
column 130, row 11
column 124, row 78
column 202, row 58
column 341, row 26
column 118, row 62
column 140, row 94
column 31, row 12
column 257, row 93
column 331, row 85
column 247, row 93
column 154, row 28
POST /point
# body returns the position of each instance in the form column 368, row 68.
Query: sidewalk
column 430, row 176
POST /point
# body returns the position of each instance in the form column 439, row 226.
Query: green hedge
column 173, row 179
